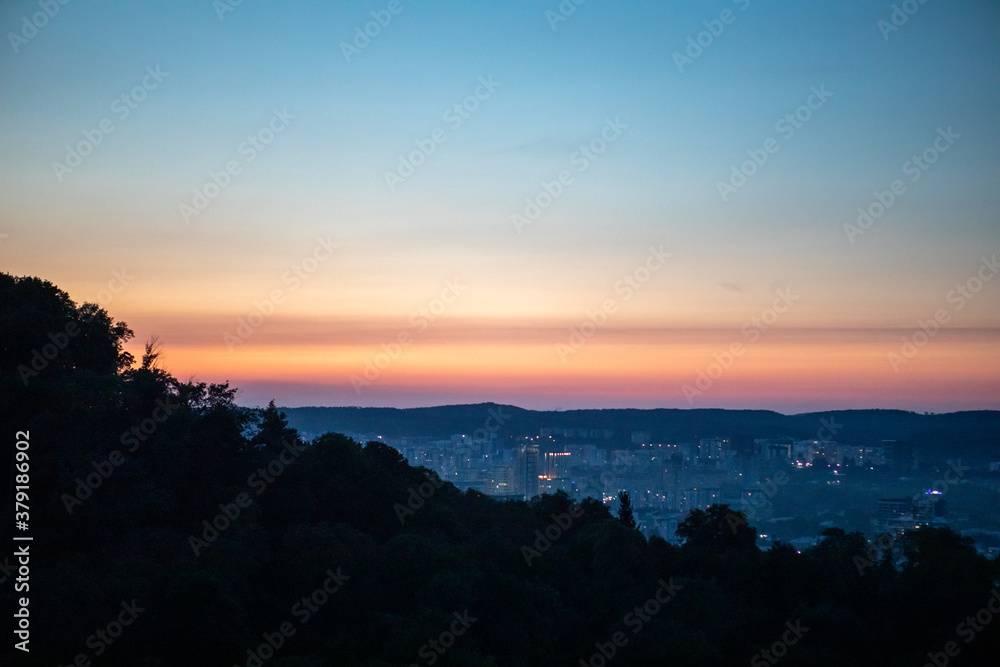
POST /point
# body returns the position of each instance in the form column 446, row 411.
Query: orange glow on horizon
column 792, row 363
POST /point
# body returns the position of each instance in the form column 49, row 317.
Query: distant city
column 790, row 490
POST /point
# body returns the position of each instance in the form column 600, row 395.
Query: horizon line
column 703, row 409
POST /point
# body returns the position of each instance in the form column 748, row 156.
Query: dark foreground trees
column 173, row 527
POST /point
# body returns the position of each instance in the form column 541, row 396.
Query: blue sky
column 657, row 183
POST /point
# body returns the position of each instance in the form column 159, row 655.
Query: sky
column 745, row 204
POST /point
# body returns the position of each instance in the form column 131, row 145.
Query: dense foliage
column 214, row 527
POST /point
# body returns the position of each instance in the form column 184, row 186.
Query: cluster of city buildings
column 665, row 480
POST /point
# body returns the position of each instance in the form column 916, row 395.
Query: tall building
column 743, row 445
column 557, row 464
column 699, row 498
column 899, row 455
column 894, row 514
column 502, row 481
column 710, row 451
column 892, row 508
column 778, row 450
column 527, row 470
column 928, row 506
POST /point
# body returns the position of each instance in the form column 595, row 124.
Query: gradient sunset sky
column 642, row 109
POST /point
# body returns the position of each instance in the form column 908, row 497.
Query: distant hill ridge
column 973, row 434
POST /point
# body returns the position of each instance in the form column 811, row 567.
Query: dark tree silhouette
column 719, row 530
column 625, row 509
column 44, row 334
column 274, row 432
